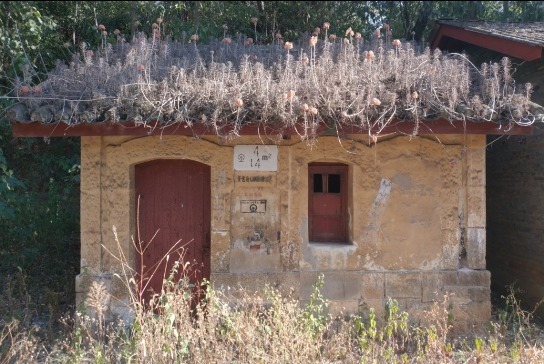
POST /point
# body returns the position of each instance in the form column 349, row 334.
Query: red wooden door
column 327, row 202
column 174, row 206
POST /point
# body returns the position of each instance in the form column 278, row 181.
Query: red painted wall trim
column 495, row 43
column 441, row 126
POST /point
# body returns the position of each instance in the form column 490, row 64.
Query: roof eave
column 440, row 126
column 492, row 42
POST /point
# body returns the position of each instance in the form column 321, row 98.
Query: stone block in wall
column 338, row 285
column 475, row 312
column 119, row 287
column 226, row 283
column 91, row 238
column 450, row 172
column 468, row 286
column 403, row 285
column 476, row 248
column 121, row 311
column 449, row 215
column 289, row 253
column 252, row 283
column 450, row 249
column 307, row 282
column 373, row 285
column 220, row 201
column 416, row 309
column 449, row 277
column 327, row 257
column 405, row 304
column 247, row 259
column 80, row 299
column 458, row 294
column 90, row 167
column 479, row 294
column 476, row 167
column 119, row 298
column 286, row 283
column 90, row 210
column 85, row 280
column 476, row 141
column 236, row 285
column 476, row 207
column 378, row 304
column 353, row 285
column 333, row 287
column 220, row 254
column 469, row 277
column 342, row 307
column 83, row 283
column 112, row 251
column 431, row 286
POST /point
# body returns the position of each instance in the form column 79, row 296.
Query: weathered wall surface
column 515, row 177
column 416, row 219
column 515, row 209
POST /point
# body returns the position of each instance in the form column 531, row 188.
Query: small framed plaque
column 256, row 158
column 253, row 206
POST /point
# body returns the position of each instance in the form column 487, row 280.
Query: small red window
column 327, row 202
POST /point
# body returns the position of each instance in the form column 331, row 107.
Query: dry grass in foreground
column 265, row 328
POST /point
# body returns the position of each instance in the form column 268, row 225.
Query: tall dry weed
column 238, row 326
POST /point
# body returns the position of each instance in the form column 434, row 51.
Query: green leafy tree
column 39, row 180
column 27, row 41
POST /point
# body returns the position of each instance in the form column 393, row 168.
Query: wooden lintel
column 492, row 42
column 36, row 129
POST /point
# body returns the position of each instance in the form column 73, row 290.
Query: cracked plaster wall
column 416, row 207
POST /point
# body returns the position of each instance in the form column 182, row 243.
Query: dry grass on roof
column 345, row 82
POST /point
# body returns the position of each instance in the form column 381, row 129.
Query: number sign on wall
column 256, row 158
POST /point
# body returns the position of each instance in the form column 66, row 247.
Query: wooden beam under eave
column 495, row 43
column 35, row 129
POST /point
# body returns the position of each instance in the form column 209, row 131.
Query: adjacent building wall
column 515, row 214
column 515, row 205
column 515, row 202
column 416, row 220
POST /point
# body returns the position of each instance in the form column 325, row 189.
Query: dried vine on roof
column 345, row 82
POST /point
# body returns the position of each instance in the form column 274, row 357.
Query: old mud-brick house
column 361, row 160
column 514, row 164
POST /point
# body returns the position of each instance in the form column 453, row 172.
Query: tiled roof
column 528, row 33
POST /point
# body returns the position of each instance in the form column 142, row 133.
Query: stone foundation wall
column 416, row 219
column 356, row 291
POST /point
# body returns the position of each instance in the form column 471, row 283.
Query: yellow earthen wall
column 416, row 217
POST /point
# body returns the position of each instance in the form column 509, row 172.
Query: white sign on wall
column 256, row 158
